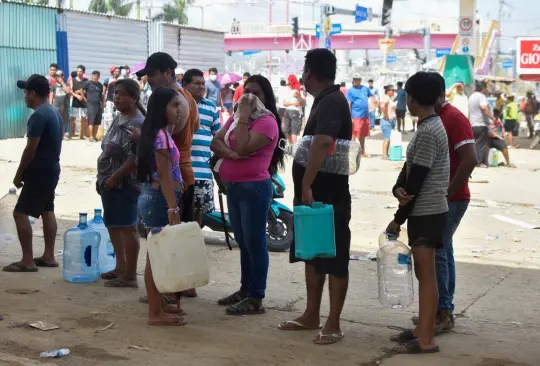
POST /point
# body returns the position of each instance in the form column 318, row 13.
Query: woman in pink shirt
column 250, row 158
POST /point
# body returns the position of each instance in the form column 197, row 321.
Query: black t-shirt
column 110, row 83
column 45, row 123
column 77, row 85
column 94, row 92
column 331, row 116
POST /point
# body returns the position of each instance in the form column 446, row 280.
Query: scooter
column 279, row 228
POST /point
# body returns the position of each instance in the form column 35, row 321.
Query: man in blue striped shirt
column 203, row 196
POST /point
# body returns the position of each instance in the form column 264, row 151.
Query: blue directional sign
column 440, row 52
column 250, row 52
column 465, row 49
column 391, row 59
column 507, row 64
column 336, row 29
column 328, row 43
column 360, row 14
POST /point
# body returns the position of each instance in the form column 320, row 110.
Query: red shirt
column 238, row 93
column 459, row 131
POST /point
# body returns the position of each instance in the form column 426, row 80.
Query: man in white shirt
column 458, row 98
column 480, row 118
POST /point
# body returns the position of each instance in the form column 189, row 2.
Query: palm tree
column 116, row 7
column 175, row 11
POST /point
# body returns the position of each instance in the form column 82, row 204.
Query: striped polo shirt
column 429, row 148
column 200, row 146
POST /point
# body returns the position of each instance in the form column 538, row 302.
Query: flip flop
column 144, row 300
column 119, row 283
column 295, row 325
column 111, row 275
column 179, row 321
column 413, row 348
column 41, row 263
column 403, row 337
column 175, row 311
column 19, row 267
column 326, row 339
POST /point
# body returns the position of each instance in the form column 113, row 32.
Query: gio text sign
column 528, row 55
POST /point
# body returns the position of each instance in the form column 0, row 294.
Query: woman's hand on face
column 174, row 218
column 244, row 107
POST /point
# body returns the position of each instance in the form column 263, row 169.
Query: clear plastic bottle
column 394, row 269
column 344, row 159
column 403, row 237
column 8, row 229
column 81, row 248
column 107, row 257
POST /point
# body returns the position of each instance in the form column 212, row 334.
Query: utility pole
column 495, row 65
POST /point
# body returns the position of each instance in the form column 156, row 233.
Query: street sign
column 440, row 52
column 386, row 44
column 507, row 64
column 336, row 29
column 361, row 14
column 328, row 43
column 528, row 55
column 250, row 52
column 465, row 49
column 391, row 59
column 465, row 26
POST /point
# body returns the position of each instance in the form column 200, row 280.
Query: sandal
column 403, row 337
column 177, row 321
column 111, row 275
column 295, row 325
column 413, row 348
column 19, row 267
column 168, row 299
column 232, row 299
column 119, row 283
column 326, row 339
column 41, row 263
column 248, row 306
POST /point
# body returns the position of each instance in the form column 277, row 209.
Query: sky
column 518, row 18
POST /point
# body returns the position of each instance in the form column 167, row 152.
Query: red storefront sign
column 528, row 56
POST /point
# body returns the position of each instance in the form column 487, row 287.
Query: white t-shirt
column 282, row 95
column 391, row 106
column 477, row 117
column 461, row 102
column 291, row 97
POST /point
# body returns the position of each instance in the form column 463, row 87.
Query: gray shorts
column 292, row 122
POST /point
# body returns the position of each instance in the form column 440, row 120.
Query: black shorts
column 497, row 144
column 429, row 227
column 36, row 198
column 400, row 113
column 94, row 114
column 186, row 204
column 510, row 125
column 339, row 265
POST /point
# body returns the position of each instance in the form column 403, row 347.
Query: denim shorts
column 120, row 206
column 153, row 207
column 387, row 126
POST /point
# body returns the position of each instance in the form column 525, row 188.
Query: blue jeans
column 387, row 125
column 444, row 259
column 153, row 207
column 372, row 119
column 248, row 204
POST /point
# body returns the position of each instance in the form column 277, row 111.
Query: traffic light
column 295, row 27
column 386, row 17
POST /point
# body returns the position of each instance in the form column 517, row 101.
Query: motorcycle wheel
column 280, row 234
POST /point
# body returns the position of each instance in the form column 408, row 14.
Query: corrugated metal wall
column 62, row 44
column 27, row 46
column 155, row 37
column 194, row 48
column 98, row 41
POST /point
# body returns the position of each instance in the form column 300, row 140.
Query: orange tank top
column 183, row 138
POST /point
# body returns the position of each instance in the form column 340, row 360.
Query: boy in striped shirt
column 203, row 195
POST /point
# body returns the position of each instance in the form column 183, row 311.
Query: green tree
column 116, row 7
column 37, row 2
column 175, row 11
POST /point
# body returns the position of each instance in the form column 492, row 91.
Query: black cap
column 37, row 83
column 158, row 61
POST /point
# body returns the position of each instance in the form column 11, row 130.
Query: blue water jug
column 81, row 248
column 107, row 257
column 314, row 233
column 395, row 153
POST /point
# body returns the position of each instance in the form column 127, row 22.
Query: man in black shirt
column 94, row 93
column 38, row 175
column 78, row 105
column 330, row 119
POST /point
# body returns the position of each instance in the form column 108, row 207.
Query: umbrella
column 229, row 78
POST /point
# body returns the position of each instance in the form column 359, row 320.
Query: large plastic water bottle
column 8, row 229
column 81, row 252
column 394, row 269
column 107, row 257
column 344, row 157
